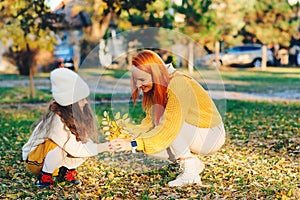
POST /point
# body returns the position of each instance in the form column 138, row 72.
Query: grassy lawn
column 251, row 80
column 274, row 80
column 260, row 160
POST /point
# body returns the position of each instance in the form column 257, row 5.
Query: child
column 65, row 136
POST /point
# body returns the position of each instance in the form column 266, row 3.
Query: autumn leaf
column 115, row 127
column 254, row 163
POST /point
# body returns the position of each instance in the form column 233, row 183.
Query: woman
column 181, row 118
column 63, row 138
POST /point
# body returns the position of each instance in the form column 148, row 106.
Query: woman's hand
column 121, row 144
column 105, row 146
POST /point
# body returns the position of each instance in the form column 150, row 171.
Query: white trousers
column 57, row 158
column 191, row 139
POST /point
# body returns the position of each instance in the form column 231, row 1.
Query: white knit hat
column 67, row 86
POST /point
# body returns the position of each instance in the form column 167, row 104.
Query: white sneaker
column 191, row 168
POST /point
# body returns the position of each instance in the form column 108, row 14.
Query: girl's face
column 142, row 80
column 82, row 103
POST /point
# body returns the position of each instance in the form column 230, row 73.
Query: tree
column 210, row 22
column 271, row 22
column 156, row 14
column 121, row 13
column 195, row 19
column 29, row 25
column 228, row 22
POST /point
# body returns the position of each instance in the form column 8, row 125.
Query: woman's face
column 142, row 80
column 82, row 103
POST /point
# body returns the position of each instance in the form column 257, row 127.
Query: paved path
column 109, row 85
column 254, row 96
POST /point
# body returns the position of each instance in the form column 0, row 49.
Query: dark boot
column 45, row 180
column 69, row 175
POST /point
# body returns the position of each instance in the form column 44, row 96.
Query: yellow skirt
column 35, row 160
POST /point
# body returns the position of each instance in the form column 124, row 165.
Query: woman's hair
column 81, row 123
column 148, row 61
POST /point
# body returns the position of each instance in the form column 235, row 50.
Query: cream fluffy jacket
column 63, row 138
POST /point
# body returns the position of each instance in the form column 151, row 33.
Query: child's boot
column 45, row 180
column 69, row 175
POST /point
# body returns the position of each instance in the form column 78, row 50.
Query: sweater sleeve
column 67, row 141
column 160, row 137
column 145, row 125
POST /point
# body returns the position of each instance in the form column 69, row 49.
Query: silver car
column 248, row 55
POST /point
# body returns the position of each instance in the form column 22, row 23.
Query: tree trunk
column 22, row 60
column 264, row 58
column 32, row 91
column 25, row 60
column 191, row 57
column 99, row 30
column 217, row 53
column 30, row 65
column 95, row 33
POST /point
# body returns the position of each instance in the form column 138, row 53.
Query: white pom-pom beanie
column 67, row 86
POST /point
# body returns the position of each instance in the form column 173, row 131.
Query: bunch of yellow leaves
column 115, row 127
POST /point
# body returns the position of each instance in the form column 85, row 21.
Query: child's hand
column 111, row 147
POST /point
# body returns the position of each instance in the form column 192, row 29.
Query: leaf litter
column 260, row 160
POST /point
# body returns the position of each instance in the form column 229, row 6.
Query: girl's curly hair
column 81, row 123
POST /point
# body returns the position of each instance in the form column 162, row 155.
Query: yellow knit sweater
column 187, row 102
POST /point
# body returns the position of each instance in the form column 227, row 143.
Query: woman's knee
column 210, row 145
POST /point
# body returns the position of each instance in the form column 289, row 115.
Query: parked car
column 247, row 55
column 64, row 56
column 63, row 53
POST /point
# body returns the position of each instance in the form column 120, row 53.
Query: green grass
column 9, row 95
column 271, row 81
column 251, row 80
column 16, row 76
column 11, row 77
column 115, row 73
column 22, row 95
column 260, row 159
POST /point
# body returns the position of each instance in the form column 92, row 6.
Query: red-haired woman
column 181, row 118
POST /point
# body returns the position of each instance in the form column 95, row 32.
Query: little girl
column 65, row 136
